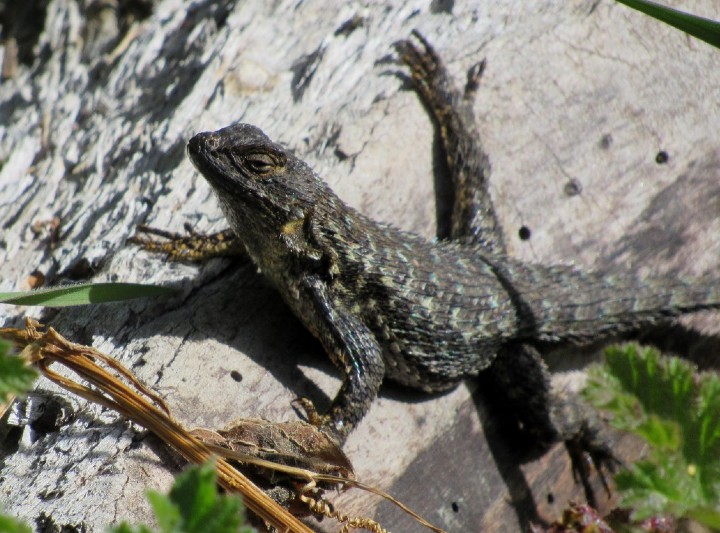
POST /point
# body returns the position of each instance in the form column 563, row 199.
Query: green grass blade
column 84, row 294
column 704, row 29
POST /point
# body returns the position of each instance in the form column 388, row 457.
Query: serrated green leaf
column 194, row 506
column 709, row 421
column 662, row 434
column 676, row 412
column 605, row 391
column 654, row 488
column 167, row 512
column 663, row 388
column 194, row 493
column 84, row 294
column 15, row 376
column 203, row 510
column 226, row 517
column 704, row 29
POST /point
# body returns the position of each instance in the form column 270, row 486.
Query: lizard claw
column 310, row 413
column 324, row 423
column 430, row 75
column 423, row 62
column 584, row 450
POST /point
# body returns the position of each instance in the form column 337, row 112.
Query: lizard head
column 260, row 185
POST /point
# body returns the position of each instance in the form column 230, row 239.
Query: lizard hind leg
column 518, row 378
column 473, row 217
column 549, row 414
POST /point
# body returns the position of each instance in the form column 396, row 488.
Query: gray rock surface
column 577, row 101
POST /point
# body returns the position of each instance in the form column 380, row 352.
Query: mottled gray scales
column 432, row 313
column 389, row 304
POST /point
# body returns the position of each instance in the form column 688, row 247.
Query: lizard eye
column 262, row 163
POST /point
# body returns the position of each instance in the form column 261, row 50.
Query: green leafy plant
column 675, row 410
column 194, row 506
column 11, row 525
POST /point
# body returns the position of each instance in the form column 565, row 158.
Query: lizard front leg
column 353, row 349
column 193, row 247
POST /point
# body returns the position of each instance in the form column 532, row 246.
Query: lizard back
column 422, row 298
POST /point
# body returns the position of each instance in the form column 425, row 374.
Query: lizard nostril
column 212, row 142
column 203, row 141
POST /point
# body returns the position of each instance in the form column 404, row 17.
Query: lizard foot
column 587, row 451
column 193, row 247
column 309, row 411
column 430, row 76
column 425, row 66
column 324, row 422
column 549, row 414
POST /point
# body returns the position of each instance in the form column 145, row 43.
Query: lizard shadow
column 252, row 319
column 229, row 302
column 509, row 449
column 470, row 459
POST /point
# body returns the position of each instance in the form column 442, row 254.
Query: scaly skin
column 386, row 303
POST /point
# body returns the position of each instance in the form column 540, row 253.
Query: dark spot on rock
column 524, row 233
column 54, row 414
column 573, row 187
column 23, row 22
column 606, row 141
column 10, row 440
column 81, row 268
column 237, row 376
column 442, row 6
column 413, row 14
column 662, row 157
column 455, row 507
column 44, row 523
column 340, row 154
column 138, row 10
column 46, row 495
column 303, row 72
column 350, row 25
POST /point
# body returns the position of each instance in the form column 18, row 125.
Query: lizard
column 387, row 304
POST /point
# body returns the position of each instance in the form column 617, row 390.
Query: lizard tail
column 587, row 307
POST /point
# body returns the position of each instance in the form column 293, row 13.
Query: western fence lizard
column 388, row 304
